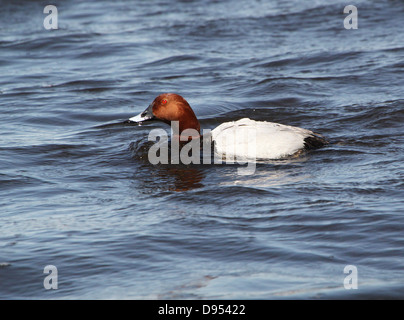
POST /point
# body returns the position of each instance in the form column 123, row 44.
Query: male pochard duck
column 245, row 138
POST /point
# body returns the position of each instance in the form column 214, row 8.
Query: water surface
column 77, row 190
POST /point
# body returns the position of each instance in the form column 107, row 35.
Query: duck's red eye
column 164, row 101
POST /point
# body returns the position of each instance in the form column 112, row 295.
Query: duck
column 242, row 139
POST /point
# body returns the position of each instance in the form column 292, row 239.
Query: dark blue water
column 77, row 190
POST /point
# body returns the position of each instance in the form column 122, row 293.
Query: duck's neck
column 192, row 124
column 185, row 130
column 187, row 125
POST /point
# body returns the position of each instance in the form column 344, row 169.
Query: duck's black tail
column 314, row 141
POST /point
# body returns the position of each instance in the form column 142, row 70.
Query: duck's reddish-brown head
column 169, row 107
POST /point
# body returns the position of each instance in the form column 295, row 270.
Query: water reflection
column 152, row 179
column 164, row 177
column 184, row 178
column 180, row 177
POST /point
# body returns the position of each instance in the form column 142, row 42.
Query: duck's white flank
column 249, row 139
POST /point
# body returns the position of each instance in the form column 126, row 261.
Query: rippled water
column 77, row 190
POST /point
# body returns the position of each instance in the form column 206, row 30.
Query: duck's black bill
column 144, row 116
